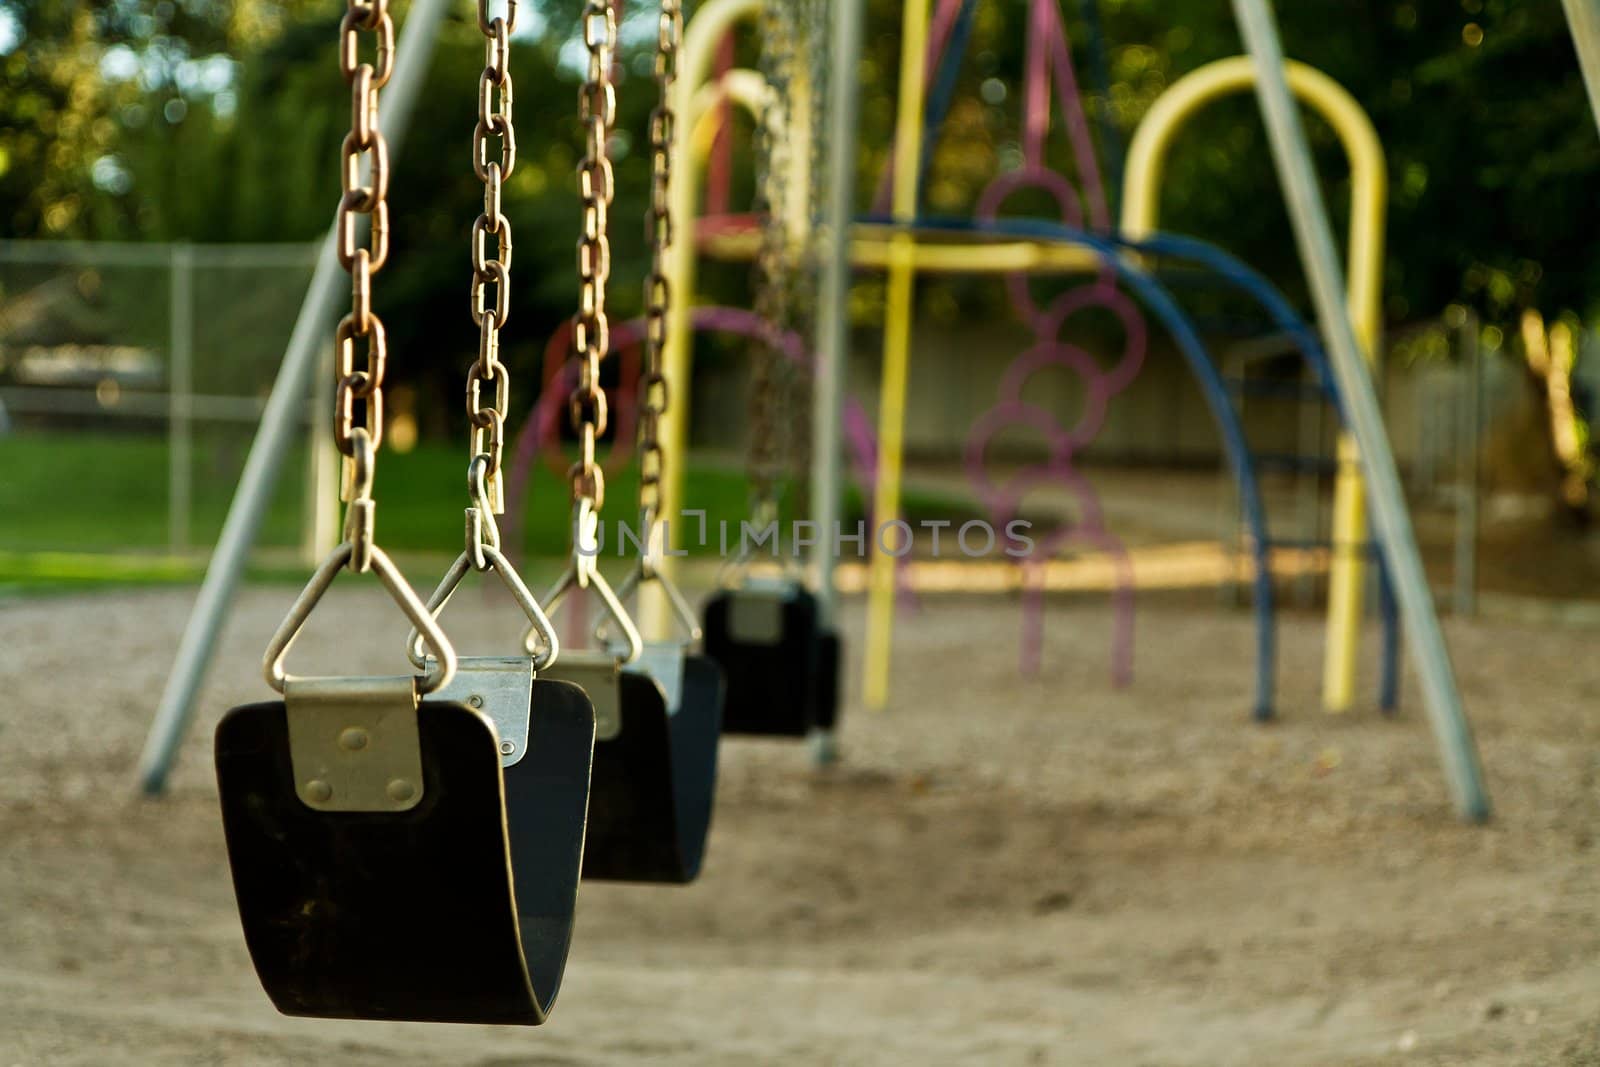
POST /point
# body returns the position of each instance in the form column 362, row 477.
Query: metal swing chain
column 808, row 261
column 597, row 106
column 488, row 383
column 653, row 394
column 358, row 439
column 597, row 109
column 815, row 14
column 767, row 446
column 358, row 443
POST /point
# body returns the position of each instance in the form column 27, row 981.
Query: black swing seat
column 655, row 767
column 459, row 909
column 825, row 691
column 782, row 667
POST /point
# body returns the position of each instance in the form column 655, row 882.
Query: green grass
column 82, row 509
column 66, row 572
column 85, row 492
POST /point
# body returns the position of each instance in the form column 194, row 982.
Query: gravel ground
column 1002, row 870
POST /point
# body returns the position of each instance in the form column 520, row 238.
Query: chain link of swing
column 597, row 108
column 814, row 27
column 768, row 444
column 488, row 383
column 358, row 438
column 653, row 394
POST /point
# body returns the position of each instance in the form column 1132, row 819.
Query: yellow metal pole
column 872, row 246
column 1369, row 191
column 896, row 350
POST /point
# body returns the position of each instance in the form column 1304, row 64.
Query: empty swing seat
column 655, row 764
column 457, row 909
column 825, row 687
column 782, row 668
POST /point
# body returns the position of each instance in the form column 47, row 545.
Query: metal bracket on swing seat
column 502, row 688
column 353, row 743
column 755, row 610
column 598, row 674
column 663, row 661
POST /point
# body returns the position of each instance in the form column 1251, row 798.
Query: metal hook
column 765, row 512
column 540, row 640
column 435, row 677
column 582, row 573
column 483, row 531
column 649, row 570
column 359, row 513
column 681, row 608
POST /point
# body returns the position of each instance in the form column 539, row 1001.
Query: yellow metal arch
column 1369, row 192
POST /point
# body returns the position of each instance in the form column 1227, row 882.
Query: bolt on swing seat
column 658, row 717
column 391, row 859
column 782, row 666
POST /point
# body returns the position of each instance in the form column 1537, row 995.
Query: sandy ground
column 1002, row 870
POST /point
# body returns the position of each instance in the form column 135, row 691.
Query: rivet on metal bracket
column 502, row 688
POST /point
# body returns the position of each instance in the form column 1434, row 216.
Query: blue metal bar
column 1247, row 280
column 943, row 88
column 1156, row 297
column 1284, row 316
column 1389, row 611
column 1238, row 274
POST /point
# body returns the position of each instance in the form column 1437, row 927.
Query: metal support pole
column 898, row 323
column 320, row 525
column 180, row 394
column 1583, row 19
column 831, row 345
column 311, row 329
column 1314, row 237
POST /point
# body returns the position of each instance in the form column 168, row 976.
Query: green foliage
column 1492, row 152
column 53, row 119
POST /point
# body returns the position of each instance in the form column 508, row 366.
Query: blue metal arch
column 1248, row 280
column 1156, row 297
column 1236, row 274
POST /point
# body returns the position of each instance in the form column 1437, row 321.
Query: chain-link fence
column 132, row 377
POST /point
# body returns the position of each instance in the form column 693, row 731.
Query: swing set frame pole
column 1314, row 237
column 284, row 406
column 1583, row 20
column 831, row 345
column 897, row 327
